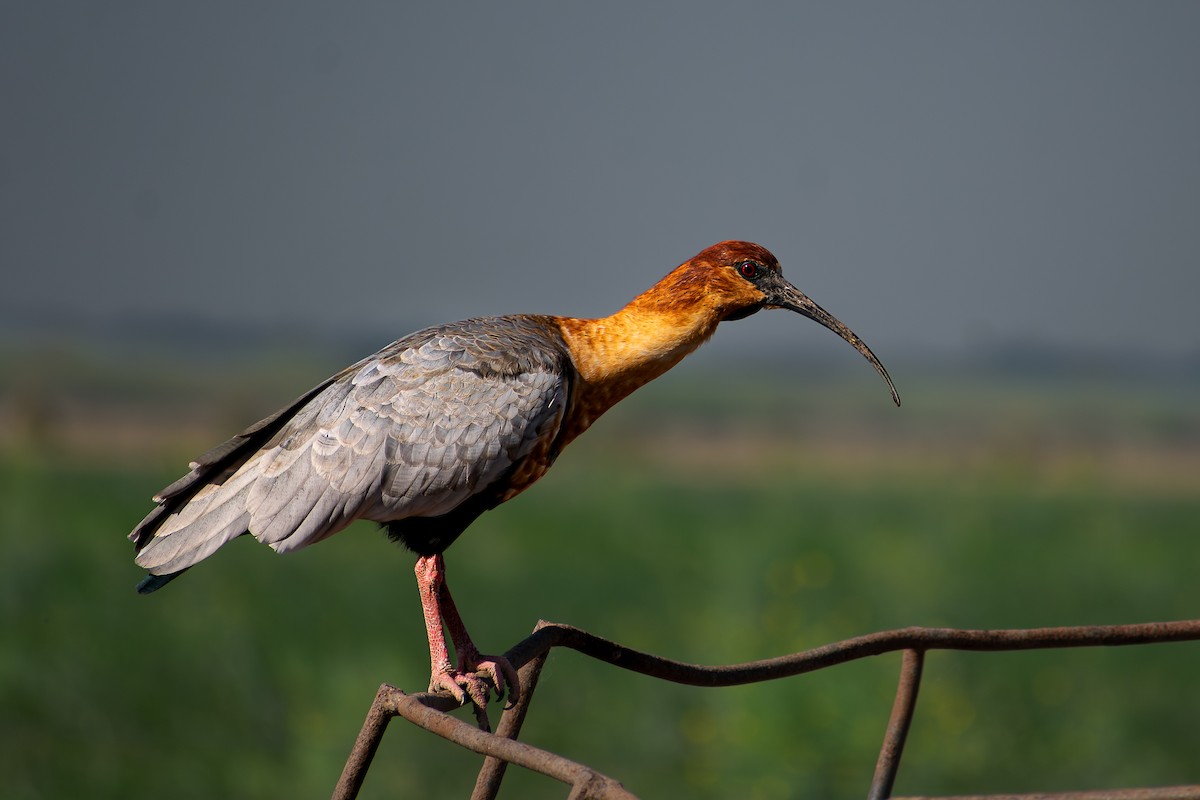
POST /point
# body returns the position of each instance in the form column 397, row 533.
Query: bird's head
column 737, row 279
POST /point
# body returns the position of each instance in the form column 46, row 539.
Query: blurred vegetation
column 710, row 518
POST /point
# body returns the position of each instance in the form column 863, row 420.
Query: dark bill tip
column 789, row 297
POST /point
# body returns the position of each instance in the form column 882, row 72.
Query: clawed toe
column 501, row 676
column 446, row 681
column 476, row 680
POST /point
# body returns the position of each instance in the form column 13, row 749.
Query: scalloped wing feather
column 414, row 430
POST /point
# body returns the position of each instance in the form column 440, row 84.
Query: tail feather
column 217, row 515
column 152, row 583
column 166, row 543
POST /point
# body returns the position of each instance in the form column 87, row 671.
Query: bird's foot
column 475, row 678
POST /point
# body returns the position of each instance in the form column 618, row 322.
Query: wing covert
column 417, row 429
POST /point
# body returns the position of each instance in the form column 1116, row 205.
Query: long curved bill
column 784, row 295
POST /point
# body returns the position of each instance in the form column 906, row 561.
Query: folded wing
column 428, row 423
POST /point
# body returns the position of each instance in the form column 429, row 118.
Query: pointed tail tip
column 152, row 583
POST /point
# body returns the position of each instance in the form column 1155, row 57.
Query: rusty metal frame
column 529, row 655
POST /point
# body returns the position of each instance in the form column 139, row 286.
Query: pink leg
column 430, row 580
column 474, row 670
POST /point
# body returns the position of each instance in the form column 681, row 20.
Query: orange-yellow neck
column 615, row 355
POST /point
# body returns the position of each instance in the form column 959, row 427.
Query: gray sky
column 936, row 174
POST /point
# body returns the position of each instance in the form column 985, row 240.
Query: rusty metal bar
column 873, row 644
column 424, row 709
column 487, row 785
column 897, row 730
column 428, row 711
column 365, row 747
column 585, row 781
column 383, row 709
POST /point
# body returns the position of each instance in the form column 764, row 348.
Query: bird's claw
column 502, row 676
column 475, row 680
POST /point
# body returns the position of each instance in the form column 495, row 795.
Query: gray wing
column 415, row 430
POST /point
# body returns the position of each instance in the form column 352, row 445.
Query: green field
column 712, row 527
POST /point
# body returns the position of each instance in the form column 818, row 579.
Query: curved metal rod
column 421, row 708
column 915, row 638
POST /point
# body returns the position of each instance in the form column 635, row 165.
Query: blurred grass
column 713, row 521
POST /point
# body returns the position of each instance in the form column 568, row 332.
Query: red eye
column 748, row 269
